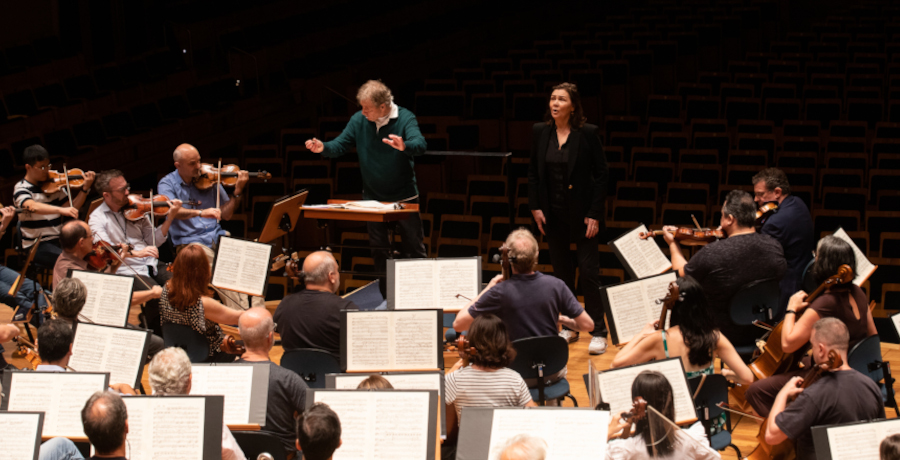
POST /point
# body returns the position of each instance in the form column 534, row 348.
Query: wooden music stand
column 283, row 216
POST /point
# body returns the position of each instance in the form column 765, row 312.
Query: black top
column 557, row 173
column 792, row 226
column 287, row 395
column 311, row 319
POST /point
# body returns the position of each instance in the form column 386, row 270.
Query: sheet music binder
column 125, row 308
column 139, row 371
column 610, row 318
column 823, row 446
column 265, row 283
column 438, row 337
column 40, row 428
column 392, row 268
column 612, row 245
column 682, row 383
column 259, row 393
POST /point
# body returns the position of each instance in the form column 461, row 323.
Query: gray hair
column 740, row 205
column 319, row 273
column 523, row 250
column 255, row 337
column 833, row 333
column 376, row 92
column 104, row 178
column 523, row 447
column 69, row 297
column 170, row 372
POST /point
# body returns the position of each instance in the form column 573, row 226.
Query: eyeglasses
column 45, row 167
column 124, row 189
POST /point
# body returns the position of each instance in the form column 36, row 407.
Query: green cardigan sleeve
column 345, row 141
column 415, row 142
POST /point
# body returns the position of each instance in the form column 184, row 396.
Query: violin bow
column 218, row 184
column 136, row 275
column 695, row 222
column 68, row 188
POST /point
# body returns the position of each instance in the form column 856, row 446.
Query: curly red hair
column 190, row 277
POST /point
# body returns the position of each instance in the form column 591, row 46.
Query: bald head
column 105, row 421
column 183, row 151
column 72, row 233
column 320, row 272
column 257, row 328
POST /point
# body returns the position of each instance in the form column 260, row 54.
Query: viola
column 637, row 413
column 688, row 236
column 102, row 255
column 765, row 211
column 465, row 351
column 57, row 180
column 667, row 303
column 227, row 176
column 505, row 268
column 138, row 206
column 232, row 346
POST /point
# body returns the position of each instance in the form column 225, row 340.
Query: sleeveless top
column 718, row 424
column 192, row 316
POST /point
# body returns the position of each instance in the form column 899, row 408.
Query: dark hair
column 375, row 382
column 577, row 119
column 890, row 448
column 105, row 426
column 34, row 154
column 697, row 325
column 830, row 255
column 491, row 341
column 318, row 432
column 657, row 391
column 71, row 232
column 103, row 179
column 54, row 340
column 740, row 204
column 774, row 178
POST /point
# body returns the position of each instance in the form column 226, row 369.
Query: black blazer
column 588, row 173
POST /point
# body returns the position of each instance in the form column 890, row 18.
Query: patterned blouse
column 192, row 316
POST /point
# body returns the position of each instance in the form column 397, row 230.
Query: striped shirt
column 470, row 387
column 38, row 225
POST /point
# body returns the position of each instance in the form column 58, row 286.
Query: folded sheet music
column 108, row 297
column 641, row 258
column 614, row 387
column 116, row 350
column 857, row 441
column 22, row 435
column 864, row 267
column 59, row 395
column 373, row 341
column 633, row 304
column 432, row 283
column 571, row 434
column 173, row 428
column 241, row 266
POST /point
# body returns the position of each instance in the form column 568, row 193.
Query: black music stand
column 283, row 216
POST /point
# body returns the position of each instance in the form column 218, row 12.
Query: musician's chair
column 311, row 364
column 254, row 443
column 713, row 390
column 189, row 340
column 866, row 358
column 540, row 357
column 757, row 301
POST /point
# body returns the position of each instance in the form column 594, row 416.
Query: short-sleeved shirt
column 196, row 229
column 312, row 319
column 837, row 304
column 286, row 395
column 114, row 228
column 470, row 387
column 837, row 397
column 35, row 225
column 529, row 305
column 63, row 264
column 193, row 316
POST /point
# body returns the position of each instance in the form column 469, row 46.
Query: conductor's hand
column 211, row 213
column 593, row 227
column 315, row 146
column 540, row 219
column 668, row 234
column 395, row 141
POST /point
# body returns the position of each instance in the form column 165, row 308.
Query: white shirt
column 693, row 445
column 395, row 112
column 115, row 229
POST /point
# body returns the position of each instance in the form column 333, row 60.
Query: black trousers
column 47, row 253
column 151, row 308
column 412, row 235
column 559, row 236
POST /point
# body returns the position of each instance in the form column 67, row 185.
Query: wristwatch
column 790, row 311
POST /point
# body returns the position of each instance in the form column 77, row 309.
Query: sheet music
column 59, row 395
column 643, row 256
column 241, row 266
column 381, row 425
column 634, row 304
column 864, row 267
column 108, row 297
column 20, row 433
column 392, row 340
column 430, row 381
column 118, row 351
column 163, row 427
column 615, row 387
column 896, row 320
column 860, row 441
column 434, row 283
column 570, row 434
column 414, row 284
column 456, row 276
column 233, row 382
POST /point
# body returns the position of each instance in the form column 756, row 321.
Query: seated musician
column 46, row 210
column 108, row 223
column 8, row 332
column 724, row 266
column 890, row 448
column 318, row 432
column 24, row 298
column 170, row 374
column 524, row 447
column 530, row 303
column 105, row 421
column 840, row 396
column 311, row 318
column 68, row 300
column 375, row 382
column 654, row 437
column 287, row 390
column 845, row 302
column 185, row 301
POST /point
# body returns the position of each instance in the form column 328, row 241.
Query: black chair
column 539, row 357
column 713, row 389
column 189, row 340
column 255, row 443
column 311, row 364
column 757, row 301
column 809, row 284
column 866, row 358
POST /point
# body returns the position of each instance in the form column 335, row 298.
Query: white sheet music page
column 20, row 431
column 570, row 434
column 456, row 276
column 634, row 304
column 860, row 441
column 59, row 395
column 241, row 266
column 161, row 427
column 108, row 297
column 233, row 382
column 381, row 424
column 118, row 351
column 414, row 284
column 896, row 320
column 615, row 387
column 643, row 256
column 864, row 267
column 430, row 381
column 392, row 340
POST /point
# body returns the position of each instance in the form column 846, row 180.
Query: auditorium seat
column 680, row 214
column 721, row 142
column 320, row 190
column 800, row 128
column 651, row 154
column 486, row 185
column 635, row 211
column 440, row 103
column 889, row 245
column 439, row 204
column 757, row 142
column 796, row 160
column 823, row 110
column 843, row 198
column 627, row 141
column 778, row 110
column 879, row 221
column 487, row 106
column 500, row 228
column 707, row 156
column 856, row 129
column 660, row 172
column 739, row 174
column 709, row 174
column 274, row 166
column 318, row 169
column 664, row 106
column 674, row 141
column 486, row 207
column 829, row 177
column 637, row 191
column 708, row 125
column 449, row 247
column 755, row 127
column 701, row 107
column 687, row 193
column 840, row 160
column 799, row 144
column 830, row 220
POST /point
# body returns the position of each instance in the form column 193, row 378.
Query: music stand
column 283, row 216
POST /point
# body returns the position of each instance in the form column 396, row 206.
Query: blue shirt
column 196, row 229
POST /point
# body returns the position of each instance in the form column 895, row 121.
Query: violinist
column 108, row 223
column 724, row 266
column 837, row 397
column 46, row 209
column 845, row 302
column 791, row 224
column 23, row 301
column 76, row 239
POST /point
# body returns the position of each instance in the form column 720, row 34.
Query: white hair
column 170, row 372
column 523, row 447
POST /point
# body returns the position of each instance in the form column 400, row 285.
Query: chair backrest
column 191, row 341
column 756, row 301
column 865, row 353
column 713, row 391
column 552, row 351
column 809, row 284
column 254, row 443
column 311, row 364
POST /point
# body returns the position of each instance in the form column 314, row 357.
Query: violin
column 57, row 180
column 227, row 176
column 28, row 351
column 288, row 262
column 138, row 206
column 102, row 255
column 689, row 236
column 667, row 303
column 637, row 413
column 232, row 347
column 465, row 351
column 765, row 210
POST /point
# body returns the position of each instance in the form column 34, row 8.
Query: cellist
column 844, row 302
column 840, row 396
